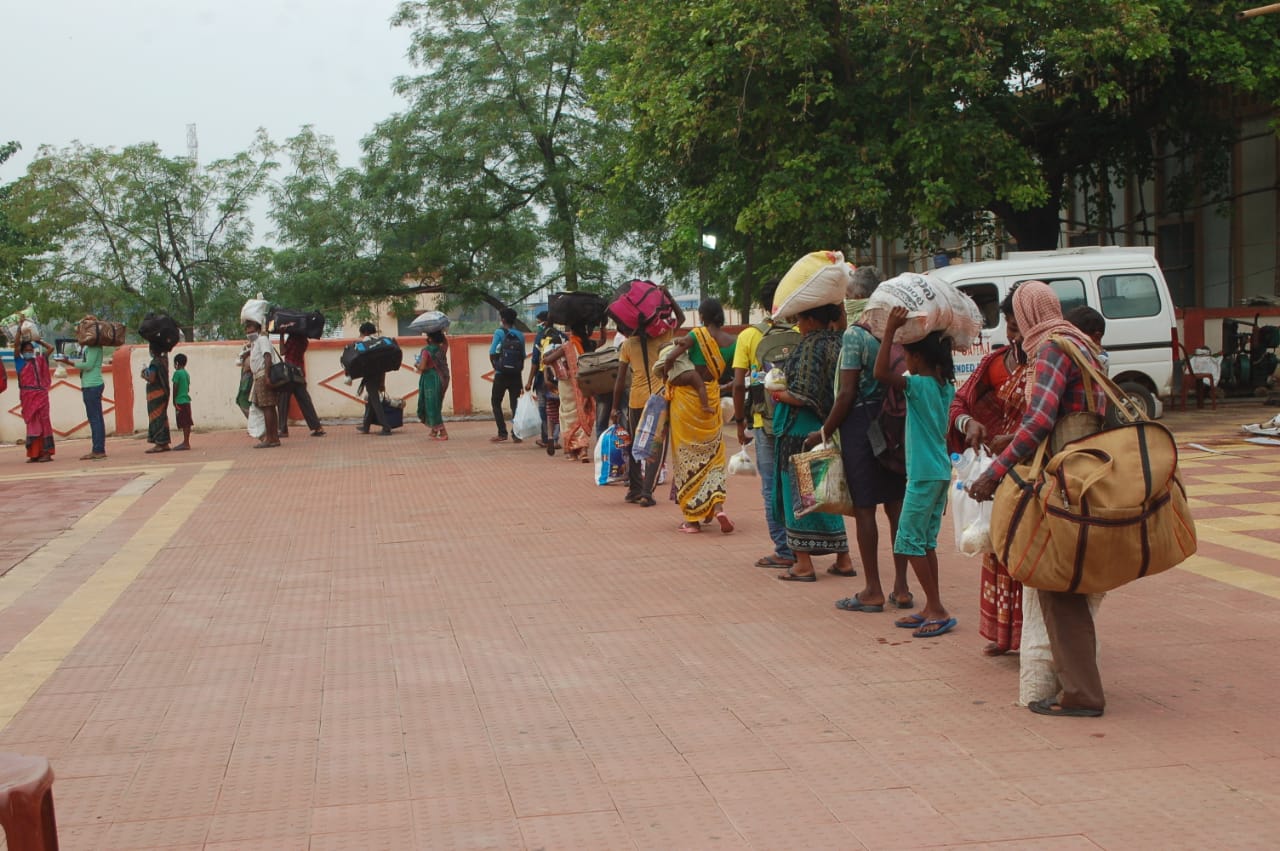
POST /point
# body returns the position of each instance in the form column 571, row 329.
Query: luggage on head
column 92, row 331
column 598, row 370
column 281, row 320
column 255, row 310
column 934, row 305
column 576, row 308
column 160, row 330
column 818, row 278
column 642, row 307
column 429, row 322
column 377, row 355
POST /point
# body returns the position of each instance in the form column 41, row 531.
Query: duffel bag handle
column 1127, row 410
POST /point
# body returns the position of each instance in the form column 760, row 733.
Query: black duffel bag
column 284, row 321
column 364, row 358
column 160, row 330
column 571, row 309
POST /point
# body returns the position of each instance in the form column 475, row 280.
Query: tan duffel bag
column 93, row 331
column 1103, row 510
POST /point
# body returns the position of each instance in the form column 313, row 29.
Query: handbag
column 819, row 481
column 1102, row 510
column 651, row 430
column 283, row 374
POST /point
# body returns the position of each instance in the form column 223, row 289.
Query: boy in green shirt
column 181, row 381
column 91, row 388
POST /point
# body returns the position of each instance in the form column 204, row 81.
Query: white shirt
column 258, row 351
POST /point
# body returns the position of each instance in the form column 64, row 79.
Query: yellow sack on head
column 813, row 280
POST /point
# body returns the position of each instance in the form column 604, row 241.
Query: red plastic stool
column 26, row 803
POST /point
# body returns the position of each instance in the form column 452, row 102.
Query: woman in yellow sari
column 697, row 432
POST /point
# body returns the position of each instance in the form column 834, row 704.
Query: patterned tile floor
column 366, row 642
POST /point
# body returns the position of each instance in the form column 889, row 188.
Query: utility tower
column 195, row 203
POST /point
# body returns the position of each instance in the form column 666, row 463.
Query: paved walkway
column 366, row 642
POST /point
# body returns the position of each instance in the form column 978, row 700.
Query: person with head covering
column 433, row 381
column 543, row 338
column 985, row 413
column 31, row 363
column 1055, row 387
column 800, row 410
column 263, row 395
column 156, row 376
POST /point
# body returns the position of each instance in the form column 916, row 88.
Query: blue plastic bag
column 611, row 455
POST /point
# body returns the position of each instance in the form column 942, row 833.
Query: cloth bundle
column 255, row 310
column 934, row 305
column 812, row 281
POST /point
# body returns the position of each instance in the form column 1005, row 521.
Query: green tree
column 817, row 122
column 133, row 230
column 485, row 180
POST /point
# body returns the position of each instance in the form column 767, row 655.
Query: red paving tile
column 361, row 643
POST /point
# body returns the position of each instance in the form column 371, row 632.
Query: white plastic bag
column 1036, row 678
column 972, row 519
column 255, row 310
column 527, row 422
column 740, row 464
column 257, row 422
column 610, row 456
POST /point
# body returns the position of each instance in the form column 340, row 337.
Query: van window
column 1128, row 296
column 987, row 297
column 1070, row 291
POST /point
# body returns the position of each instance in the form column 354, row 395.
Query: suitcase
column 361, row 359
column 93, row 331
column 160, row 330
column 597, row 371
column 284, row 321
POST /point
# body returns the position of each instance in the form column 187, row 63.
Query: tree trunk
column 1036, row 228
column 748, row 280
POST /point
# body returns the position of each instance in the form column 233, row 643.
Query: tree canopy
column 132, row 230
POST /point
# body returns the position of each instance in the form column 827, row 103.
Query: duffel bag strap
column 1126, row 410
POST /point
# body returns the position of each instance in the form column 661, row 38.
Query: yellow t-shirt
column 630, row 354
column 744, row 357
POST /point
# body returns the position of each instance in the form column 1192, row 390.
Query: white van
column 1124, row 284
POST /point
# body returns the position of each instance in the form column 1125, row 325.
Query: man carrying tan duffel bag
column 1091, row 510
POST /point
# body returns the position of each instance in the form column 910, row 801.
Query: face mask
column 251, row 336
column 853, row 308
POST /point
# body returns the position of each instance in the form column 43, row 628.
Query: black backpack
column 510, row 357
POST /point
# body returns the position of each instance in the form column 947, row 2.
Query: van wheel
column 1141, row 396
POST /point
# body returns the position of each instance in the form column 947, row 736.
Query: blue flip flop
column 853, row 604
column 944, row 625
column 910, row 622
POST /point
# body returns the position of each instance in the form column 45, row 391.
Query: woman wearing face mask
column 32, row 366
column 986, row 412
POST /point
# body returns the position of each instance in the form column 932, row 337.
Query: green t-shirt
column 928, row 402
column 858, row 350
column 91, row 367
column 181, row 382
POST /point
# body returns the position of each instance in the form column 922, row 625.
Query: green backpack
column 773, row 350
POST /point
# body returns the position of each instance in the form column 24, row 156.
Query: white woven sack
column 934, row 305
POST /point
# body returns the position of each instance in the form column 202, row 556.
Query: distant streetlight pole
column 708, row 244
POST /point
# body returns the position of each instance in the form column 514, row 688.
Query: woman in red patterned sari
column 986, row 412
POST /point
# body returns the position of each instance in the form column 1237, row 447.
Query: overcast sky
column 117, row 72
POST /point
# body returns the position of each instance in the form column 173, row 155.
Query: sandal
column 798, row 577
column 832, row 570
column 153, row 450
column 1050, row 706
column 646, row 501
column 910, row 622
column 689, row 530
column 906, row 602
column 726, row 525
column 853, row 604
column 774, row 562
column 935, row 627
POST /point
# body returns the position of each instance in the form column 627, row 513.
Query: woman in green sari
column 433, row 381
column 802, row 408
